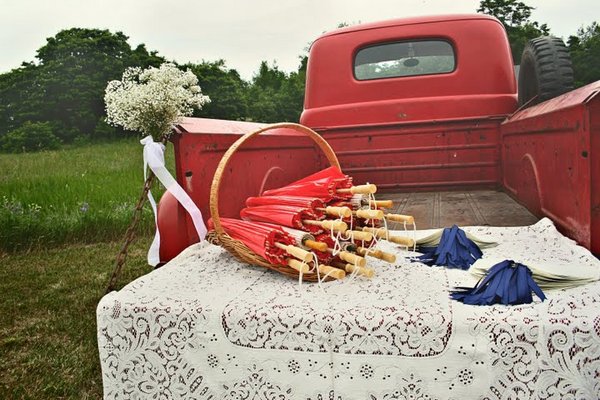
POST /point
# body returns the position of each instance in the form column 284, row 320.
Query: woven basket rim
column 237, row 248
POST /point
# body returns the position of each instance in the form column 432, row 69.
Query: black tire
column 546, row 70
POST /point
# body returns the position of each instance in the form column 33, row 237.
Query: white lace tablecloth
column 205, row 326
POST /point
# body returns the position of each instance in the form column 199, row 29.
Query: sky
column 242, row 32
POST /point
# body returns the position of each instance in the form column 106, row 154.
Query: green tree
column 263, row 94
column 291, row 96
column 30, row 137
column 585, row 54
column 20, row 97
column 225, row 87
column 515, row 16
column 66, row 85
column 76, row 65
column 274, row 96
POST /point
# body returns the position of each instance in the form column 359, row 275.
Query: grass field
column 62, row 218
column 76, row 195
column 48, row 344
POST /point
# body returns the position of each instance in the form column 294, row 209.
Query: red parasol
column 283, row 215
column 325, row 256
column 331, row 172
column 293, row 201
column 323, row 184
column 260, row 238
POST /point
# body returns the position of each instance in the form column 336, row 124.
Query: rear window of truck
column 406, row 58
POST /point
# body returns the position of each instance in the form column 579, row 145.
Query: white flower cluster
column 151, row 101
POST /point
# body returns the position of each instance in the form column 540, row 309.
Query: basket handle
column 216, row 183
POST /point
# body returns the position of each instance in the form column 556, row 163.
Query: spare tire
column 545, row 71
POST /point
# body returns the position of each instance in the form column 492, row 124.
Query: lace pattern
column 365, row 318
column 208, row 327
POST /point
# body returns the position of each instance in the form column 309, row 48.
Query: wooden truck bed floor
column 463, row 208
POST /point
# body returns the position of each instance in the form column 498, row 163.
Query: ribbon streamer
column 154, row 158
column 505, row 283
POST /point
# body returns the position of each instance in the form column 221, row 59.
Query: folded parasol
column 269, row 241
column 327, row 185
column 293, row 201
column 298, row 218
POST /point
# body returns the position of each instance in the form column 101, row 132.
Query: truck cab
column 414, row 104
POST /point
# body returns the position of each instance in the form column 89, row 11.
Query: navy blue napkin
column 506, row 283
column 455, row 250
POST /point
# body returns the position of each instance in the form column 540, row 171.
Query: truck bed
column 463, row 208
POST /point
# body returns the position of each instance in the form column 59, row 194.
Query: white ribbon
column 154, row 158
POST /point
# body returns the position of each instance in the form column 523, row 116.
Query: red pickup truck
column 420, row 106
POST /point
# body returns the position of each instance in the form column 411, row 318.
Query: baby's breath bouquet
column 151, row 101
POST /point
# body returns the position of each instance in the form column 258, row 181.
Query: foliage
column 515, row 16
column 274, row 96
column 31, row 136
column 153, row 100
column 585, row 54
column 74, row 195
column 224, row 87
column 66, row 84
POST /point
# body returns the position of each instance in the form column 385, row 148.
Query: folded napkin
column 506, row 282
column 433, row 239
column 450, row 247
column 548, row 275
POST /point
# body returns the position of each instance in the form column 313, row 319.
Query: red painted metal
column 420, row 156
column 426, row 131
column 483, row 83
column 550, row 162
column 443, row 131
column 269, row 160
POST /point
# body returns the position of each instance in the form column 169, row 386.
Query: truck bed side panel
column 547, row 157
column 594, row 113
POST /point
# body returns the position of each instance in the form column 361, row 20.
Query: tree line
column 58, row 98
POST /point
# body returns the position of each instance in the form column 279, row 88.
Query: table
column 206, row 326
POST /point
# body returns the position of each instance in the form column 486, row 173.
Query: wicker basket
column 235, row 247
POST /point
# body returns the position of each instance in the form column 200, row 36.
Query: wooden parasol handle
column 216, row 183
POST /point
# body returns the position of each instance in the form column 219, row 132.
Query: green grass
column 48, row 344
column 63, row 215
column 74, row 195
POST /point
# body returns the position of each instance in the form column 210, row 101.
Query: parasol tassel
column 455, row 250
column 505, row 283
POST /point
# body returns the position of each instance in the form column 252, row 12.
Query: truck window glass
column 407, row 58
